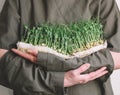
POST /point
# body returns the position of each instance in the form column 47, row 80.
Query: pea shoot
column 66, row 39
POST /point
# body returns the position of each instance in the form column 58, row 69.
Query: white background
column 115, row 78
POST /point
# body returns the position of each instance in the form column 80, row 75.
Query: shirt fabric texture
column 45, row 78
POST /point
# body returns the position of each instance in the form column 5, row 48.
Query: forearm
column 55, row 63
column 116, row 59
column 18, row 73
column 52, row 62
column 97, row 60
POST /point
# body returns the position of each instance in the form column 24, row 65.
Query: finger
column 82, row 68
column 25, row 55
column 3, row 50
column 96, row 74
column 102, row 71
column 99, row 75
column 84, row 78
column 33, row 52
column 92, row 74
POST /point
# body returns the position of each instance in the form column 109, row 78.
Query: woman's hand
column 74, row 77
column 2, row 52
column 30, row 54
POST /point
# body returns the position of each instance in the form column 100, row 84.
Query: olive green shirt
column 46, row 77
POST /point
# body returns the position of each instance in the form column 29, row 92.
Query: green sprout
column 66, row 39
